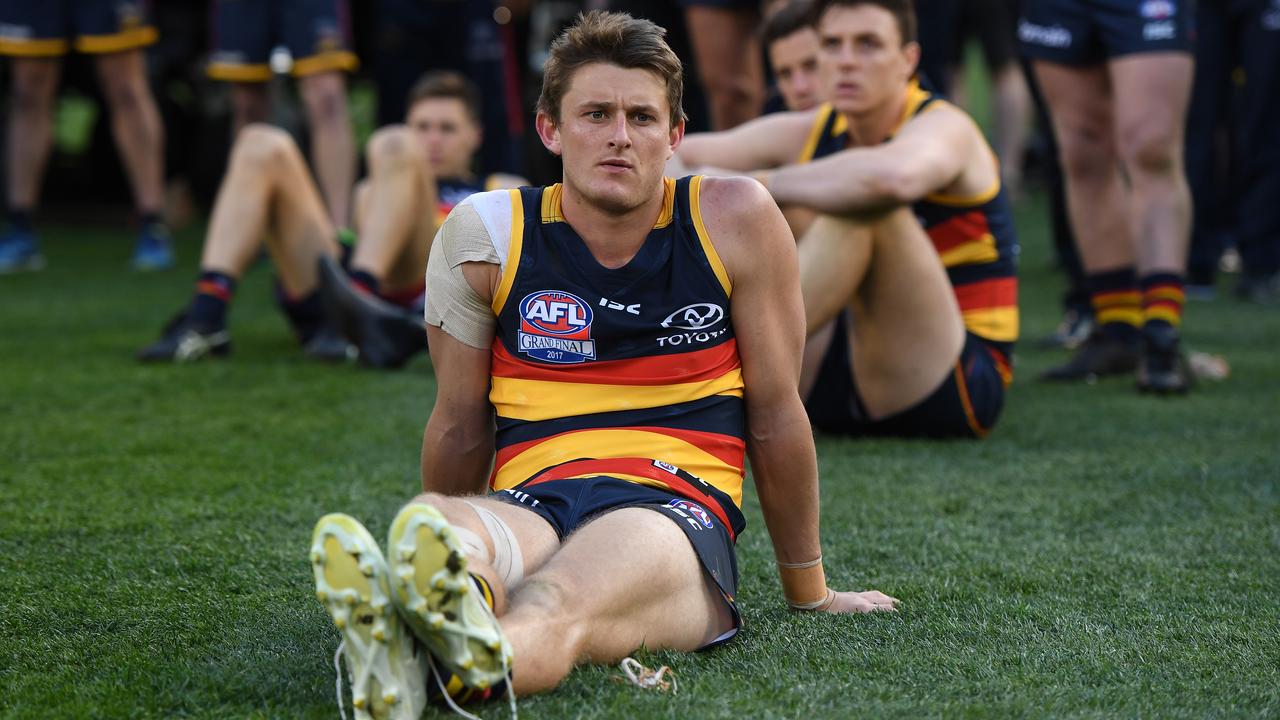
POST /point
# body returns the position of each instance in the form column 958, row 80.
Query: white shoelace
column 337, row 681
column 643, row 677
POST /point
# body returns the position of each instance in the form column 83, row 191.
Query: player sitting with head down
column 633, row 337
column 908, row 271
column 416, row 174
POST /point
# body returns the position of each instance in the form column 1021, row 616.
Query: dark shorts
column 569, row 504
column 993, row 24
column 49, row 28
column 965, row 405
column 1090, row 32
column 317, row 34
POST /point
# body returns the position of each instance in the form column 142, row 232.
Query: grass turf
column 1101, row 553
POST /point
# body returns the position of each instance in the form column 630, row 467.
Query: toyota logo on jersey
column 555, row 327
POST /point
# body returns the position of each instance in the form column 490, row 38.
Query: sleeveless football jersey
column 631, row 372
column 974, row 236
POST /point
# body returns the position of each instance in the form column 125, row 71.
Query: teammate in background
column 317, row 34
column 909, row 270
column 416, row 174
column 792, row 47
column 635, row 336
column 35, row 36
column 1116, row 76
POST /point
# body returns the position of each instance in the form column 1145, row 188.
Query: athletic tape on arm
column 452, row 304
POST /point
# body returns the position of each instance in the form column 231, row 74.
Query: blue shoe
column 155, row 249
column 19, row 251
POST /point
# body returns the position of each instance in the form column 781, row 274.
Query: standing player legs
column 397, row 213
column 627, row 579
column 135, row 125
column 1151, row 92
column 35, row 81
column 907, row 329
column 268, row 192
column 333, row 150
column 1079, row 101
column 728, row 57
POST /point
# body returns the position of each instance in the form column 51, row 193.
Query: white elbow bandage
column 507, row 559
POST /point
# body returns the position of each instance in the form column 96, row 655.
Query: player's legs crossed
column 1080, row 105
column 1152, row 91
column 906, row 331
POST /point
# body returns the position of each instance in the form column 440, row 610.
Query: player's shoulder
column 741, row 219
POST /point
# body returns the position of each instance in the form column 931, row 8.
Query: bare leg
column 626, row 580
column 536, row 539
column 1079, row 101
column 907, row 329
column 35, row 81
column 396, row 210
column 333, row 149
column 268, row 192
column 727, row 51
column 135, row 124
column 1012, row 113
column 1151, row 95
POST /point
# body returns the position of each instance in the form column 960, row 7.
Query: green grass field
column 1101, row 553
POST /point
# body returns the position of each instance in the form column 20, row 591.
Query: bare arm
column 457, row 445
column 760, row 256
column 928, row 156
column 765, row 142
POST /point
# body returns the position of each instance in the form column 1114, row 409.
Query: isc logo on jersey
column 556, row 327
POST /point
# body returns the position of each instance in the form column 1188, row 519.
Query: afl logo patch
column 555, row 327
column 693, row 509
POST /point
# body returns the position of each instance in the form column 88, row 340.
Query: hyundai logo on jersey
column 556, row 327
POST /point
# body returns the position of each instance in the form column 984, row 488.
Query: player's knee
column 1087, row 152
column 390, row 144
column 1150, row 149
column 34, row 87
column 262, row 145
column 124, row 93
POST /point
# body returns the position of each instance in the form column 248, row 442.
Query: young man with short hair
column 268, row 197
column 909, row 271
column 792, row 47
column 612, row 346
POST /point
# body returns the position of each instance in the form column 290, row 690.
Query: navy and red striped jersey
column 974, row 236
column 630, row 372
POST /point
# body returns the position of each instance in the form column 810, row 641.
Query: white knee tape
column 472, row 543
column 507, row 559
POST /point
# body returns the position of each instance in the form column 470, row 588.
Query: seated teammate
column 416, row 175
column 908, row 271
column 635, row 336
column 792, row 48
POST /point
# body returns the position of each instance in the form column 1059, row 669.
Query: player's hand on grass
column 861, row 602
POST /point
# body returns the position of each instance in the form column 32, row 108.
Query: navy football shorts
column 317, row 34
column 49, row 28
column 965, row 405
column 569, row 504
column 1090, row 32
